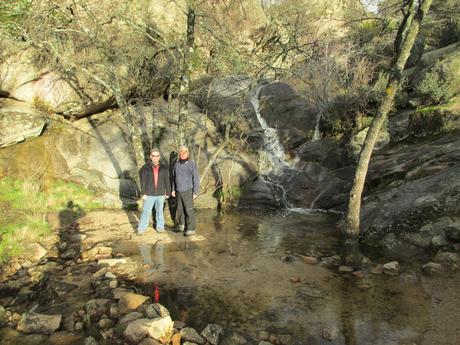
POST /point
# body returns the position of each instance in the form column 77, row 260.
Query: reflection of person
column 185, row 186
column 146, row 249
column 155, row 187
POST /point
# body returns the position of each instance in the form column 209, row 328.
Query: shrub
column 440, row 82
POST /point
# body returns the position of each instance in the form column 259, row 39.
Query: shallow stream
column 247, row 275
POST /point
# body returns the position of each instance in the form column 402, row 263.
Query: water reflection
column 235, row 277
column 146, row 254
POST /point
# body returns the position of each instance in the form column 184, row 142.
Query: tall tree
column 186, row 71
column 413, row 14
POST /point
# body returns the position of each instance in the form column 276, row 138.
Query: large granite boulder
column 18, row 122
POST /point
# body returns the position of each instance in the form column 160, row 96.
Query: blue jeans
column 149, row 203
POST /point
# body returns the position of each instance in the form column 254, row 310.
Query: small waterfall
column 276, row 170
column 274, row 162
column 317, row 133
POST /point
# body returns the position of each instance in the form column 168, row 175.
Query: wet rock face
column 280, row 105
column 259, row 193
column 284, row 109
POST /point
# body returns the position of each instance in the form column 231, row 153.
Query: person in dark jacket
column 185, row 186
column 155, row 187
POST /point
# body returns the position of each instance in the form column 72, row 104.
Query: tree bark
column 404, row 41
column 93, row 109
column 185, row 75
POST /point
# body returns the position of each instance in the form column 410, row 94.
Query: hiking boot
column 190, row 233
column 180, row 228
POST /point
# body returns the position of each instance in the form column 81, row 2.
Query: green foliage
column 234, row 193
column 23, row 207
column 440, row 82
column 15, row 236
column 11, row 15
column 30, row 195
column 426, row 122
column 443, row 24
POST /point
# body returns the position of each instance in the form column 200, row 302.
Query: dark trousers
column 185, row 211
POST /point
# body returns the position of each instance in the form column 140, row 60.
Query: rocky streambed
column 247, row 278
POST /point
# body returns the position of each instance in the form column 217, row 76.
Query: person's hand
column 144, row 197
column 194, row 196
column 166, row 196
column 173, row 194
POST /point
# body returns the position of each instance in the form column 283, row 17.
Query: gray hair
column 183, row 148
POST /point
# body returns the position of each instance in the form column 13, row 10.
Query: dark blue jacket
column 185, row 176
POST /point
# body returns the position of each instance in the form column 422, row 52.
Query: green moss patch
column 23, row 208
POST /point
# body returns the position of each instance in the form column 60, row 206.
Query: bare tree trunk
column 185, row 75
column 216, row 153
column 404, row 41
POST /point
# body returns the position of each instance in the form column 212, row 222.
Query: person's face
column 183, row 154
column 155, row 157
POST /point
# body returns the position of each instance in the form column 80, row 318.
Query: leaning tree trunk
column 404, row 41
column 185, row 75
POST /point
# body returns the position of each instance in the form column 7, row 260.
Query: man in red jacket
column 155, row 187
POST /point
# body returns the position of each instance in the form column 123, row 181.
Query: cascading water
column 273, row 160
column 273, row 164
column 317, row 133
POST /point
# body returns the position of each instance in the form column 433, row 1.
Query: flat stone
column 447, row 258
column 157, row 329
column 432, row 268
column 39, row 323
column 345, row 269
column 35, row 252
column 311, row 260
column 391, row 268
column 112, row 262
column 130, row 302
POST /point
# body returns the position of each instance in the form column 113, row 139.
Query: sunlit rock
column 130, row 302
column 158, row 329
column 39, row 323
